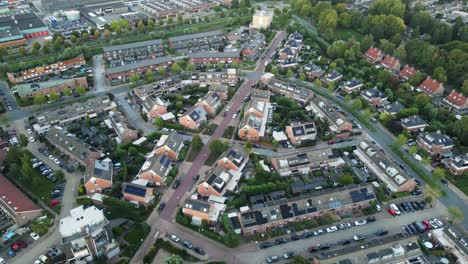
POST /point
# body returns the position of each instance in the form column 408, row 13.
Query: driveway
column 98, row 72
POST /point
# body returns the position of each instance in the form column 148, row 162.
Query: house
column 121, row 74
column 234, row 158
column 287, row 53
column 256, row 116
column 338, row 124
column 197, row 41
column 374, row 96
column 293, row 44
column 391, row 64
column 271, row 214
column 457, row 165
column 155, row 169
column 194, row 118
column 298, row 94
column 305, row 162
column 333, row 77
column 220, row 90
column 297, row 36
column 393, row 108
column 227, row 77
column 436, row 143
column 457, row 102
column 72, row 147
column 352, row 85
column 99, row 176
column 407, row 72
column 168, row 85
column 154, row 107
column 388, row 171
column 16, row 205
column 214, row 57
column 288, row 63
column 85, row 233
column 200, row 211
column 169, row 145
column 124, row 130
column 262, row 95
column 211, row 103
column 29, row 90
column 431, row 87
column 132, row 52
column 139, row 194
column 373, row 55
column 300, row 132
column 413, row 123
column 220, row 182
column 313, row 71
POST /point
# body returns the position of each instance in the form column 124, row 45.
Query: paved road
column 98, row 73
column 134, row 116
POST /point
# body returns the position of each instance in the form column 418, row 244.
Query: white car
column 438, row 222
column 37, row 261
column 29, row 131
column 34, row 236
column 345, row 225
column 51, row 157
column 2, row 261
column 175, row 238
column 358, row 237
column 360, row 222
column 234, row 115
column 31, row 139
column 332, row 229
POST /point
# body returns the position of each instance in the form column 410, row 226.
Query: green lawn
column 461, row 183
column 346, row 34
column 135, row 237
column 210, row 129
column 228, row 132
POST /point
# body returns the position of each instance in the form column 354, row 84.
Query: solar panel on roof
column 309, row 126
column 135, row 190
column 335, row 204
column 311, row 210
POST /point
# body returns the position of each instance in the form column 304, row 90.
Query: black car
column 175, row 184
column 381, row 232
column 324, row 246
column 345, row 242
column 307, row 234
column 161, row 206
column 371, row 219
column 196, row 177
column 295, row 237
column 415, row 205
column 444, row 181
column 266, row 245
column 279, row 241
column 199, row 251
column 187, row 244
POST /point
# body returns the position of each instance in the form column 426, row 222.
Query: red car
column 426, row 224
column 15, row 247
column 331, row 142
column 54, row 203
column 391, row 211
column 22, row 244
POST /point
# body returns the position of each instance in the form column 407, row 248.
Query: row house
column 211, row 103
column 169, row 145
column 124, row 130
column 154, row 107
column 301, row 132
column 385, row 169
column 122, row 74
column 374, row 97
column 457, row 165
column 282, row 212
column 200, row 211
column 298, row 94
column 391, row 64
column 431, row 87
column 313, row 71
column 256, row 116
column 413, row 123
column 373, row 55
column 29, row 90
column 436, row 144
column 305, row 162
column 136, row 51
column 457, row 102
column 194, row 118
column 197, row 41
column 155, row 169
column 220, row 182
column 406, row 73
column 54, row 68
column 99, row 176
column 214, row 57
column 227, row 77
column 137, row 193
column 338, row 124
column 352, row 85
column 234, row 158
column 158, row 88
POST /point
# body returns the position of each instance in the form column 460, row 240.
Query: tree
column 149, row 75
column 190, row 67
column 344, row 20
column 400, row 53
column 439, row 173
column 150, row 23
column 413, row 150
column 162, row 71
column 217, row 147
column 170, row 20
column 80, row 89
column 180, row 20
column 23, row 140
column 176, row 68
column 290, row 73
column 97, row 34
column 45, row 47
column 302, row 76
column 300, row 260
column 141, row 26
column 67, row 92
column 54, row 96
column 3, row 52
column 174, row 259
column 23, row 51
column 197, row 143
column 455, row 214
column 39, row 99
column 73, row 39
column 367, row 42
column 440, row 74
column 36, row 45
column 400, row 140
column 248, row 146
column 107, row 33
column 134, row 78
column 346, row 179
column 274, row 70
column 387, row 46
column 433, row 194
column 318, row 83
column 357, row 104
column 84, row 36
column 387, row 7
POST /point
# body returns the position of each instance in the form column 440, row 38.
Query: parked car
column 288, row 255
column 345, row 242
column 266, row 245
column 2, row 261
column 175, row 238
column 433, row 224
column 358, row 237
column 295, row 237
column 344, row 225
column 34, row 236
column 187, row 244
column 324, row 246
column 438, row 222
column 319, row 232
column 307, row 234
column 360, row 222
column 371, row 219
column 395, row 209
column 161, row 206
column 332, row 229
column 175, row 184
column 272, row 259
column 381, row 232
column 199, row 251
column 279, row 241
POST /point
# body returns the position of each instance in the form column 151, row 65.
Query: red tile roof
column 407, row 72
column 13, row 197
column 389, row 62
column 457, row 98
column 429, row 86
column 373, row 54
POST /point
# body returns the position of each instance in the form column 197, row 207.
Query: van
column 395, row 209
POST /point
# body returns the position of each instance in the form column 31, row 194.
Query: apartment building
column 99, row 176
column 169, row 145
column 154, row 107
column 227, row 77
column 29, row 90
column 211, row 103
column 121, row 74
column 15, row 204
column 256, row 116
column 155, row 169
column 199, row 211
column 40, row 71
column 386, row 170
column 413, row 123
column 202, row 58
column 172, row 8
column 194, row 118
column 306, row 162
column 84, row 232
column 457, row 102
column 168, row 85
column 72, row 146
column 436, row 143
column 301, row 132
column 391, row 64
column 275, row 213
column 198, row 41
column 352, row 85
column 457, row 165
column 298, row 94
column 219, row 182
column 373, row 55
column 234, row 158
column 138, row 194
column 374, row 97
column 431, row 87
column 261, row 19
column 337, row 122
column 406, row 73
column 124, row 130
column 130, row 53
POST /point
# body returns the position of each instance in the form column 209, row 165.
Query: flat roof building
column 261, row 19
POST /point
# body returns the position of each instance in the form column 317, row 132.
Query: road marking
column 156, row 235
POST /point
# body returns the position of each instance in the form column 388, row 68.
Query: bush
column 123, row 209
column 84, row 201
column 117, row 231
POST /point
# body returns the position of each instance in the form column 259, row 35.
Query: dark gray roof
column 292, row 43
column 334, row 75
column 12, row 33
column 412, row 121
column 312, row 67
column 302, row 129
column 23, row 21
column 197, row 205
column 202, row 55
column 237, row 154
column 372, row 256
column 103, row 169
column 353, row 83
column 296, row 35
column 434, row 138
column 288, row 51
column 394, row 107
column 134, row 189
column 459, row 160
column 140, row 64
column 174, row 141
column 197, row 113
column 133, row 45
column 411, row 246
column 196, row 35
column 385, row 252
column 373, row 93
